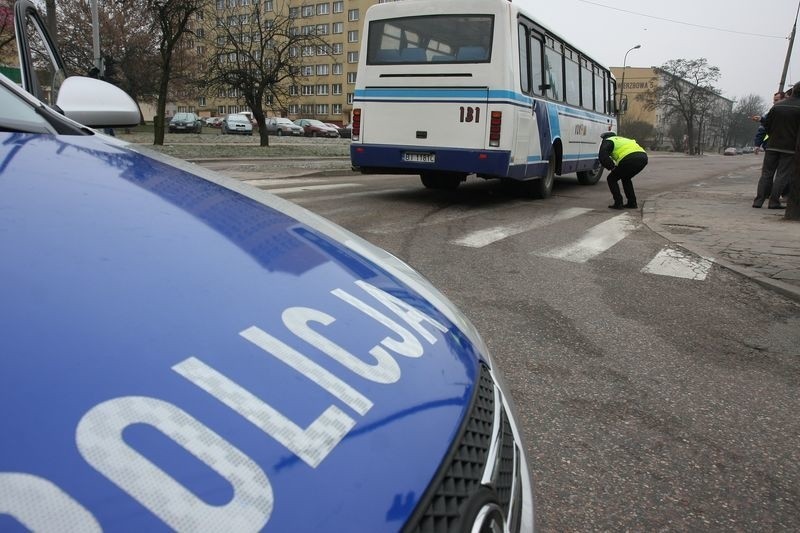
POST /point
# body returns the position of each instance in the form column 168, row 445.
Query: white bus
column 449, row 88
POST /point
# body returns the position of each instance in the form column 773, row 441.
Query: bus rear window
column 431, row 39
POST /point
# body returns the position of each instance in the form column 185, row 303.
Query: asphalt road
column 649, row 401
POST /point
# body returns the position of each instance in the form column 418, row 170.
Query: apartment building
column 325, row 87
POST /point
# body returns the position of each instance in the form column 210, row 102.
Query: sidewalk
column 715, row 220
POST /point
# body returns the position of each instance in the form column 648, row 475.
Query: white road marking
column 479, row 239
column 330, row 197
column 596, row 241
column 677, row 263
column 307, row 188
column 261, row 182
column 451, row 215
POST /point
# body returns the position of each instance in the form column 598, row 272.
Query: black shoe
column 615, row 206
column 630, row 205
column 758, row 205
column 776, row 206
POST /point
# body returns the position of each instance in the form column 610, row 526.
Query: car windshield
column 20, row 116
column 182, row 116
column 316, row 123
column 284, row 121
column 238, row 118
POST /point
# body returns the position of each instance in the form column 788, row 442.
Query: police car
column 182, row 351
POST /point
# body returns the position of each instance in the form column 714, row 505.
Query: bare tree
column 7, row 38
column 744, row 120
column 258, row 55
column 170, row 23
column 127, row 41
column 686, row 91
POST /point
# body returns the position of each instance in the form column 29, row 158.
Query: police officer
column 624, row 158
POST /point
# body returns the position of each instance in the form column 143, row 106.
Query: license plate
column 419, row 157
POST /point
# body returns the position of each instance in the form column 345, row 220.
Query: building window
column 338, row 6
column 308, row 90
column 308, row 51
column 351, row 77
column 294, row 109
column 307, row 70
column 352, row 57
column 336, row 109
column 322, row 90
column 220, row 110
column 201, row 102
column 268, row 5
column 352, row 36
column 352, row 15
column 322, row 29
column 337, row 49
column 308, row 11
column 322, row 70
column 322, row 109
column 338, row 27
column 294, row 12
column 323, row 9
column 350, row 98
column 336, row 88
column 323, row 50
column 306, row 109
column 293, row 90
column 338, row 68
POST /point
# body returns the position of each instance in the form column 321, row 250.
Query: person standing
column 782, row 125
column 770, row 163
column 624, row 158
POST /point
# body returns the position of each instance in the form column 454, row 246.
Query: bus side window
column 586, row 84
column 572, row 77
column 554, row 74
column 599, row 90
column 612, row 85
column 536, row 66
column 524, row 64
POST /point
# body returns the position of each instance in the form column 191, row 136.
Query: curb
column 790, row 291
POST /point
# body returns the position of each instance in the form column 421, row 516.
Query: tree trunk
column 159, row 123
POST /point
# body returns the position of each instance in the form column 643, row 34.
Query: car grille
column 482, row 468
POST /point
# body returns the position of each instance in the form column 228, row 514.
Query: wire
column 682, row 22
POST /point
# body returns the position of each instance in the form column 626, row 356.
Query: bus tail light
column 355, row 132
column 494, row 128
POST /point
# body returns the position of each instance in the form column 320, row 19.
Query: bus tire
column 590, row 177
column 441, row 180
column 542, row 187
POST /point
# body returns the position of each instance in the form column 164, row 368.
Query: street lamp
column 622, row 86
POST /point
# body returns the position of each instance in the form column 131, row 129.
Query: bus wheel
column 441, row 180
column 542, row 187
column 590, row 177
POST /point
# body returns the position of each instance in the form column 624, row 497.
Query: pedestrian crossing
column 594, row 242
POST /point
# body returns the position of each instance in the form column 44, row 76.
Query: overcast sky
column 747, row 40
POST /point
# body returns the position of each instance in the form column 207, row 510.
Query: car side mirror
column 97, row 104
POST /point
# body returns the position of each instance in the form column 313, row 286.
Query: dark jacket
column 782, row 124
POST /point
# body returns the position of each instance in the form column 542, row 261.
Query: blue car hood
column 176, row 353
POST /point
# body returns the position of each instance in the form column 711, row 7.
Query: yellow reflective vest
column 623, row 147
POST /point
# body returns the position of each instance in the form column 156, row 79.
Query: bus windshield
column 431, row 39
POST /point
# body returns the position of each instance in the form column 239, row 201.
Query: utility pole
column 789, row 52
column 98, row 62
column 621, row 111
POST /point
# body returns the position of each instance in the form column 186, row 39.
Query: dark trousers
column 768, row 168
column 784, row 175
column 627, row 168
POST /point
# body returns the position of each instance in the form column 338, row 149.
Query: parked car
column 214, row 122
column 237, row 124
column 315, row 128
column 282, row 126
column 217, row 358
column 185, row 122
column 250, row 117
column 345, row 132
column 731, row 150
